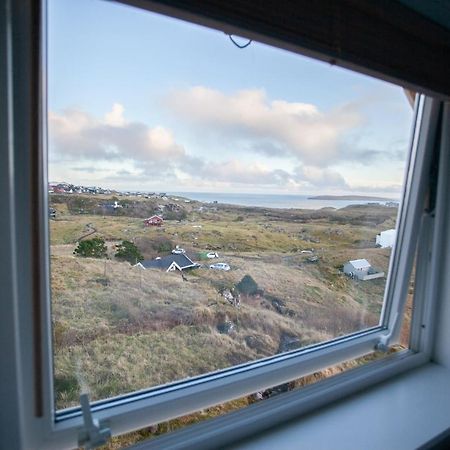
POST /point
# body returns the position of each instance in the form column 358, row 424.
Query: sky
column 139, row 101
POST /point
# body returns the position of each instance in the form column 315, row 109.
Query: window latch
column 383, row 343
column 94, row 433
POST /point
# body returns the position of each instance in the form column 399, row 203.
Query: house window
column 217, row 237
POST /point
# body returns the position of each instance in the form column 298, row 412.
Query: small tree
column 93, row 248
column 128, row 251
column 247, row 286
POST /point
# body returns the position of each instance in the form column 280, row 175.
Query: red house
column 153, row 221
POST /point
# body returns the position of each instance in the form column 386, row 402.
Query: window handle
column 383, row 343
column 93, row 434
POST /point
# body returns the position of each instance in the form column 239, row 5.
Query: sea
column 270, row 200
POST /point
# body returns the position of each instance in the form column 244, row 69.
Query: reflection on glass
column 209, row 206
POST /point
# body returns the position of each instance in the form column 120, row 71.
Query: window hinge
column 94, row 433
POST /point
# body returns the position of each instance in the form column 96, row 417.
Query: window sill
column 402, row 413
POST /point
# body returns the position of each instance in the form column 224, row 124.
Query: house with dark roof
column 169, row 263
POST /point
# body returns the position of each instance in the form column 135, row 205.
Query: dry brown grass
column 118, row 328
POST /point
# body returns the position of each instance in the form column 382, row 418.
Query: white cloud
column 116, row 150
column 320, row 177
column 75, row 134
column 237, row 172
column 379, row 188
column 115, row 117
column 234, row 172
column 272, row 127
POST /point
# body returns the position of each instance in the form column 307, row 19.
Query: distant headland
column 351, row 197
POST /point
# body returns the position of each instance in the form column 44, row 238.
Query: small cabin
column 153, row 221
column 362, row 270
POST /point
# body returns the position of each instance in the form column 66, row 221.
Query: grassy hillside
column 119, row 328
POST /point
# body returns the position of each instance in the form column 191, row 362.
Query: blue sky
column 141, row 101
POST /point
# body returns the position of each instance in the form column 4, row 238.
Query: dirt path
column 91, row 231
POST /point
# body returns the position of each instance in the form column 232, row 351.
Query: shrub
column 179, row 214
column 247, row 286
column 162, row 244
column 93, row 248
column 57, row 198
column 127, row 251
column 78, row 205
column 156, row 245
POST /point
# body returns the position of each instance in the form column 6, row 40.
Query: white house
column 361, row 269
column 386, row 238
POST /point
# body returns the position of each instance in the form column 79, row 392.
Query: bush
column 180, row 214
column 81, row 205
column 127, row 251
column 247, row 286
column 93, row 248
column 162, row 244
column 151, row 247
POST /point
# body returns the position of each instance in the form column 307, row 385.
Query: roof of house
column 360, row 263
column 182, row 261
column 153, row 218
column 392, row 231
column 193, row 256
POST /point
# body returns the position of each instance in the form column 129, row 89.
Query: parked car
column 178, row 250
column 220, row 266
column 212, row 255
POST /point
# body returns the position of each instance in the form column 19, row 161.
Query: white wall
column 442, row 342
column 386, row 238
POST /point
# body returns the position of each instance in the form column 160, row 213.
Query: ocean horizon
column 280, row 201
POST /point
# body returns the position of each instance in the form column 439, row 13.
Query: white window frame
column 26, row 287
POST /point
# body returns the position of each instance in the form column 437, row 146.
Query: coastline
column 280, row 201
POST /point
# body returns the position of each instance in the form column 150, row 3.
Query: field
column 119, row 328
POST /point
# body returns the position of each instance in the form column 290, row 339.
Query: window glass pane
column 209, row 205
